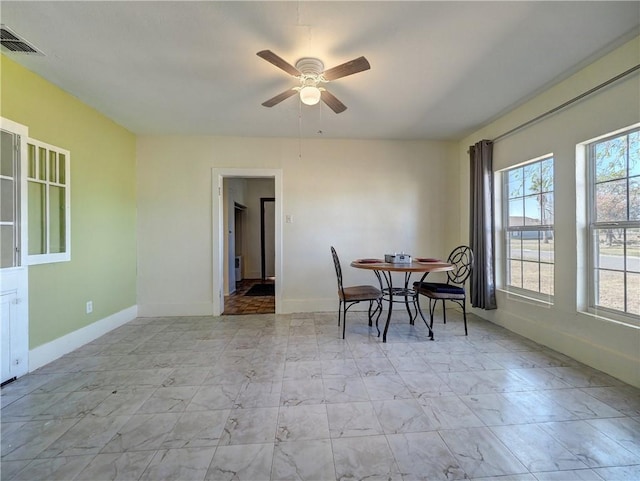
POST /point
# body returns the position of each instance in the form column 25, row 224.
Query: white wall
column 256, row 189
column 609, row 346
column 366, row 198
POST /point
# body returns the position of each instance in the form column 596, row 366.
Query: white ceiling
column 438, row 69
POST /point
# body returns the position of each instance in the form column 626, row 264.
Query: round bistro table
column 383, row 270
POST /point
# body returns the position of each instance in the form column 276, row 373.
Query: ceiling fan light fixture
column 310, row 95
column 311, row 74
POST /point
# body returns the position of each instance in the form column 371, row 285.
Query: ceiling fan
column 311, row 75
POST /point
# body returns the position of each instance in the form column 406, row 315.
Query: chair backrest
column 336, row 263
column 462, row 258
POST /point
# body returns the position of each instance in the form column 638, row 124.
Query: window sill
column 34, row 260
column 612, row 317
column 526, row 298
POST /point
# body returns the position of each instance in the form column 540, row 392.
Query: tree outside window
column 615, row 223
column 529, row 218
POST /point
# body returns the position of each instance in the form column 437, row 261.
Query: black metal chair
column 349, row 296
column 452, row 290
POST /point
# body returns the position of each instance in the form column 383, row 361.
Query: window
column 48, row 203
column 614, row 223
column 528, row 228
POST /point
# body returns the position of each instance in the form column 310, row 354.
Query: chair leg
column 378, row 308
column 444, row 312
column 339, row 311
column 419, row 310
column 412, row 318
column 464, row 315
column 344, row 320
column 370, row 306
column 431, row 310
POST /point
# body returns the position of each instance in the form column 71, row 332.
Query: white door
column 231, row 244
column 269, row 239
column 9, row 316
column 14, row 322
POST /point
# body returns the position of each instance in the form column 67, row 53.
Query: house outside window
column 614, row 224
column 528, row 218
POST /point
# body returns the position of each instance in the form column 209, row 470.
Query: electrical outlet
column 89, row 307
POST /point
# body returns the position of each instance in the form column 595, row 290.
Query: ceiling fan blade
column 279, row 62
column 279, row 98
column 348, row 68
column 333, row 103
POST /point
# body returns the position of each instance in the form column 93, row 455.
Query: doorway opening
column 240, row 246
column 250, row 295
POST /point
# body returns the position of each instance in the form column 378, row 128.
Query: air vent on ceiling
column 12, row 43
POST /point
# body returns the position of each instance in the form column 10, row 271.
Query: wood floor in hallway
column 239, row 304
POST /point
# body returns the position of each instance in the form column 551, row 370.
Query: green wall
column 103, row 206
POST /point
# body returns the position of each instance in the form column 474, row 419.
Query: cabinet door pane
column 53, row 171
column 37, row 225
column 56, row 219
column 62, row 178
column 7, row 200
column 7, row 246
column 42, row 163
column 6, row 144
column 31, row 161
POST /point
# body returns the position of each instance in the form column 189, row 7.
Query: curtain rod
column 567, row 103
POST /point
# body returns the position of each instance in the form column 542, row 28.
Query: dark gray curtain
column 483, row 277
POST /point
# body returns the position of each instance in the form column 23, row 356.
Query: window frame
column 48, row 256
column 593, row 226
column 507, row 230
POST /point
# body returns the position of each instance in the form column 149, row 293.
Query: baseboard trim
column 57, row 348
column 175, row 310
column 565, row 338
column 290, row 306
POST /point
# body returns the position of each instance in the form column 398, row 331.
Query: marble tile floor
column 283, row 397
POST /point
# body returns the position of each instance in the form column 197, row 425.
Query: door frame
column 218, row 251
column 263, row 252
column 18, row 277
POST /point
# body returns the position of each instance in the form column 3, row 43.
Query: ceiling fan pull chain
column 300, row 130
